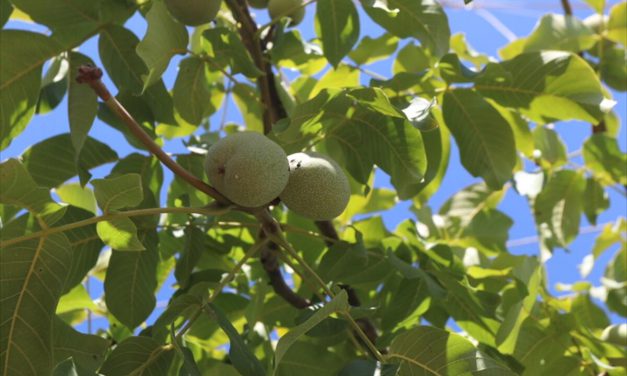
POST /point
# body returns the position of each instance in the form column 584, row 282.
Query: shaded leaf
column 23, row 54
column 118, row 192
column 603, row 156
column 164, row 39
column 87, row 351
column 82, row 107
column 130, row 283
column 548, row 86
column 370, row 50
column 240, row 355
column 52, row 161
column 484, row 137
column 227, row 49
column 338, row 304
column 138, row 356
column 337, row 25
column 33, row 273
column 424, row 20
column 559, row 205
column 431, row 351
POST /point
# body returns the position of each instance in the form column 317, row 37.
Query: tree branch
column 273, row 108
column 568, row 9
column 92, row 76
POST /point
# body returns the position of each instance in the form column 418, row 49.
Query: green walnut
column 318, row 188
column 616, row 334
column 277, row 8
column 259, row 4
column 194, row 12
column 248, row 168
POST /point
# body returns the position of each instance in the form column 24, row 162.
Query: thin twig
column 109, row 216
column 214, row 294
column 92, row 76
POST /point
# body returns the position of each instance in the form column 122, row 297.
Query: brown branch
column 568, row 9
column 273, row 108
column 270, row 262
column 92, row 76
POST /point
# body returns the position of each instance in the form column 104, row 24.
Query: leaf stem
column 214, row 294
column 280, row 240
column 109, row 216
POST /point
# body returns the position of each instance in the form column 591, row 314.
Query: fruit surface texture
column 318, row 188
column 194, row 12
column 248, row 168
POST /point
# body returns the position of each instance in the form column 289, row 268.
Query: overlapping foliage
column 405, row 288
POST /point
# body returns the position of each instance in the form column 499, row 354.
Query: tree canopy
column 264, row 290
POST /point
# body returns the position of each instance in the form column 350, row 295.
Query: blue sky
column 514, row 18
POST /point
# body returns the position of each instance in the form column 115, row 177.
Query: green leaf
column 82, row 106
column 344, row 76
column 307, row 359
column 75, row 195
column 485, row 139
column 338, row 304
column 370, row 50
column 131, row 281
column 430, row 351
column 70, row 14
column 603, row 156
column 227, row 49
column 539, row 348
column 118, row 192
column 87, row 351
column 246, row 98
column 190, row 254
column 363, row 137
column 337, row 25
column 595, row 200
column 164, row 39
column 424, row 20
column 406, row 304
column 5, row 11
column 412, row 59
column 18, row 188
column 612, row 233
column 617, row 24
column 548, row 86
column 559, row 205
column 86, row 246
column 551, row 146
column 33, row 273
column 558, row 32
column 138, row 356
column 240, row 355
column 529, row 274
column 612, row 66
column 65, row 368
column 193, row 92
column 472, row 311
column 120, row 234
column 52, row 162
column 53, row 86
column 23, row 54
column 616, row 275
column 125, row 68
column 588, row 314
